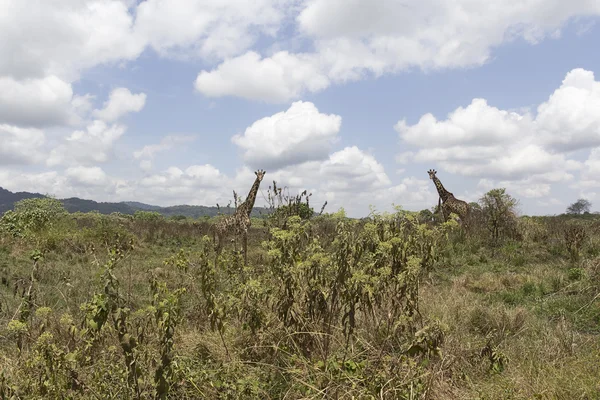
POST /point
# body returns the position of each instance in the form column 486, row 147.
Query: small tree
column 425, row 216
column 32, row 215
column 498, row 210
column 284, row 205
column 581, row 206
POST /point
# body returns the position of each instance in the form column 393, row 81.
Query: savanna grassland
column 393, row 306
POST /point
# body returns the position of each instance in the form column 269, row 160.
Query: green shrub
column 31, row 216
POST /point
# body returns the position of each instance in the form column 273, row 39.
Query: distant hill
column 141, row 206
column 75, row 204
column 8, row 198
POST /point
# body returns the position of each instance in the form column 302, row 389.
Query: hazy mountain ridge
column 75, row 204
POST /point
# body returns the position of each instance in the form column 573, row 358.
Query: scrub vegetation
column 391, row 306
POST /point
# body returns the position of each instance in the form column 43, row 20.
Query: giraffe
column 239, row 222
column 450, row 204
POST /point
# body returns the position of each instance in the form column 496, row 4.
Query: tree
column 581, row 206
column 284, row 205
column 425, row 216
column 32, row 215
column 498, row 210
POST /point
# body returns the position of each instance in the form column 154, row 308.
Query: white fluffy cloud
column 480, row 141
column 590, row 172
column 94, row 144
column 120, row 102
column 83, row 182
column 214, row 29
column 478, row 124
column 168, row 142
column 43, row 49
column 352, row 170
column 278, row 78
column 593, row 163
column 35, row 102
column 527, row 187
column 197, row 184
column 63, row 37
column 290, row 137
column 570, row 119
column 49, row 182
column 20, row 145
column 89, row 146
column 350, row 178
column 411, row 194
column 86, row 176
column 530, row 151
column 385, row 36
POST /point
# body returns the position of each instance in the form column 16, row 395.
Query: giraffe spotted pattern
column 239, row 222
column 450, row 204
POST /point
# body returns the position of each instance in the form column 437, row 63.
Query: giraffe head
column 260, row 174
column 432, row 173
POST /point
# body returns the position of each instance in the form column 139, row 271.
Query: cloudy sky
column 179, row 101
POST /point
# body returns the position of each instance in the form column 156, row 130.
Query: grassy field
column 388, row 307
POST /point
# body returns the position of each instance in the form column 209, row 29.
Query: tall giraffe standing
column 239, row 222
column 450, row 204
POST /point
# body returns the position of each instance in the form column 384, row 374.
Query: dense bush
column 32, row 216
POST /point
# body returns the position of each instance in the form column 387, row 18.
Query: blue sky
column 178, row 102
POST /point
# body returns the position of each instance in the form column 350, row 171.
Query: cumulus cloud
column 49, row 182
column 94, row 144
column 213, row 29
column 120, row 102
column 570, row 120
column 478, row 141
column 20, row 145
column 351, row 170
column 86, row 176
column 168, row 142
column 45, row 48
column 478, row 124
column 384, row 37
column 531, row 151
column 289, row 137
column 83, row 182
column 89, row 146
column 35, row 102
column 196, row 184
column 411, row 194
column 592, row 164
column 528, row 188
column 146, row 165
column 81, row 106
column 64, row 37
column 350, row 178
column 590, row 171
column 278, row 78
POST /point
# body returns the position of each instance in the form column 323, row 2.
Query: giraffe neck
column 444, row 194
column 248, row 204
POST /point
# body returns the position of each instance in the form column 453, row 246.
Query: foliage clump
column 32, row 216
